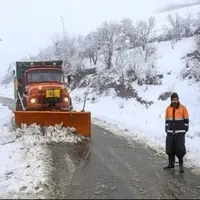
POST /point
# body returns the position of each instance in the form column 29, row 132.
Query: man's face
column 175, row 102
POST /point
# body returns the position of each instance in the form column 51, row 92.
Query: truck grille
column 53, row 100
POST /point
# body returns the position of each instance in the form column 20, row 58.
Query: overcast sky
column 27, row 25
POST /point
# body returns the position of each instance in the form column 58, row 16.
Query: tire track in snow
column 63, row 169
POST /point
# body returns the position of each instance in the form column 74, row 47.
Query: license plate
column 52, row 93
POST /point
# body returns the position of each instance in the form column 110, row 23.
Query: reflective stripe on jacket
column 176, row 119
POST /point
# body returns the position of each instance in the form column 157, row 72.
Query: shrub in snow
column 77, row 99
column 93, row 100
column 149, row 81
column 164, row 96
column 144, row 102
column 125, row 91
column 131, row 74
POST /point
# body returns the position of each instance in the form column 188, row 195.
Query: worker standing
column 176, row 126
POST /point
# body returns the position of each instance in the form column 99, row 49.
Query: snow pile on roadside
column 26, row 157
column 24, row 170
column 5, row 124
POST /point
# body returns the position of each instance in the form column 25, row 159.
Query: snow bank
column 26, row 158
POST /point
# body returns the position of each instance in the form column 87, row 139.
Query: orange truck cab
column 41, row 86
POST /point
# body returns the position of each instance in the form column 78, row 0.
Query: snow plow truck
column 42, row 97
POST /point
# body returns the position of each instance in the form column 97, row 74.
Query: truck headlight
column 66, row 99
column 33, row 100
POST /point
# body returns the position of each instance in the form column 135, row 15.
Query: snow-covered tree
column 91, row 47
column 128, row 33
column 145, row 31
column 68, row 49
column 108, row 36
column 188, row 26
column 174, row 30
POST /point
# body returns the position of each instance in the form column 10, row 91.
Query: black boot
column 171, row 162
column 181, row 165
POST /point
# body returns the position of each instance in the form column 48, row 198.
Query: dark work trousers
column 175, row 144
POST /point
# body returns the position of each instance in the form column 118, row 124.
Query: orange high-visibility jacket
column 176, row 120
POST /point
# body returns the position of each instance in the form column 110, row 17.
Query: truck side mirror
column 13, row 72
column 69, row 79
column 66, row 80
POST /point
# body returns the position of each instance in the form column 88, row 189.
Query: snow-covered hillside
column 148, row 124
column 132, row 93
column 192, row 10
column 178, row 5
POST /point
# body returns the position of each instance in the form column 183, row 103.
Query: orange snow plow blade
column 81, row 121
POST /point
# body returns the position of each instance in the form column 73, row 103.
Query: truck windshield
column 42, row 76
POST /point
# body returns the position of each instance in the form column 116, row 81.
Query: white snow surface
column 7, row 90
column 26, row 158
column 133, row 120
